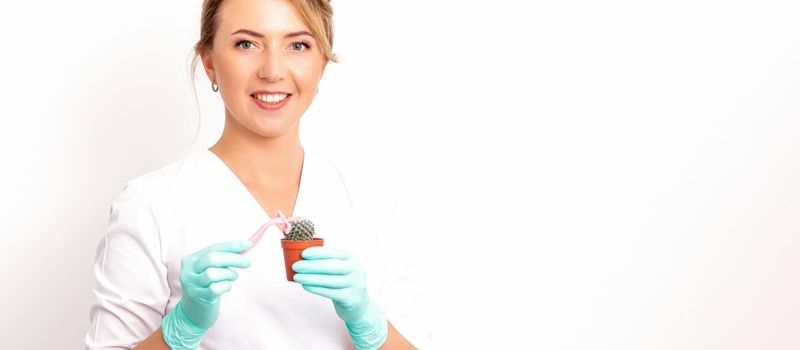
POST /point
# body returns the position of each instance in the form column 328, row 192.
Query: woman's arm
column 395, row 340
column 154, row 342
column 129, row 275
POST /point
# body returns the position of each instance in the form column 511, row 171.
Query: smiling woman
column 176, row 233
column 266, row 64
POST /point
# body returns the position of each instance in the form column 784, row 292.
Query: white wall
column 618, row 174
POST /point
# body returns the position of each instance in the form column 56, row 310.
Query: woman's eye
column 247, row 44
column 299, row 46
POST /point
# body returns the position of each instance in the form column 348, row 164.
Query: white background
column 588, row 174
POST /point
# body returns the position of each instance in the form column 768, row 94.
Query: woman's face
column 266, row 63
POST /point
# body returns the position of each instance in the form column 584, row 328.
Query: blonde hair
column 317, row 15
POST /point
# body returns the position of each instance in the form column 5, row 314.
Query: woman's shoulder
column 163, row 180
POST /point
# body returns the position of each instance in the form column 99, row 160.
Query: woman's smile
column 270, row 101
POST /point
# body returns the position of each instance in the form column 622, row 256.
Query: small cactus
column 302, row 229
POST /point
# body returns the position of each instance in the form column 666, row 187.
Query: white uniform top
column 197, row 201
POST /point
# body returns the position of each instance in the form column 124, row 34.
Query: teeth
column 271, row 99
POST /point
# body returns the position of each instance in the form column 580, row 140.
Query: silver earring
column 214, row 87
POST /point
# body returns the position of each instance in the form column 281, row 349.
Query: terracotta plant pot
column 292, row 251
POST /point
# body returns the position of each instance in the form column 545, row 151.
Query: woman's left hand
column 337, row 275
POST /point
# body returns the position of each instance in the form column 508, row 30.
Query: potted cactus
column 298, row 235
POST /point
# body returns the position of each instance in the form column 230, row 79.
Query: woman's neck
column 272, row 164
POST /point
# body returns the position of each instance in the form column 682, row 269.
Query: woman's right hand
column 205, row 276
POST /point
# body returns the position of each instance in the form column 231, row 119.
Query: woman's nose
column 273, row 66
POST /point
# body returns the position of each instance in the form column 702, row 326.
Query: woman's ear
column 208, row 65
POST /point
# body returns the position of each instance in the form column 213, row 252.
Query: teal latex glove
column 339, row 275
column 205, row 276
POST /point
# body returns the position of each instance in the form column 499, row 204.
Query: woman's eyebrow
column 259, row 35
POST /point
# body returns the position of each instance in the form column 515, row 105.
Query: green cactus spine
column 302, row 229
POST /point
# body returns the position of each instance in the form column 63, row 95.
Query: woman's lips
column 270, row 107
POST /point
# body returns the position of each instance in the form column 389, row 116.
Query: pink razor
column 280, row 221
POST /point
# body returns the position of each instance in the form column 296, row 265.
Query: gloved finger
column 236, row 246
column 325, row 252
column 203, row 296
column 324, row 266
column 220, row 259
column 211, row 294
column 330, row 293
column 212, row 275
column 327, row 281
column 218, row 288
